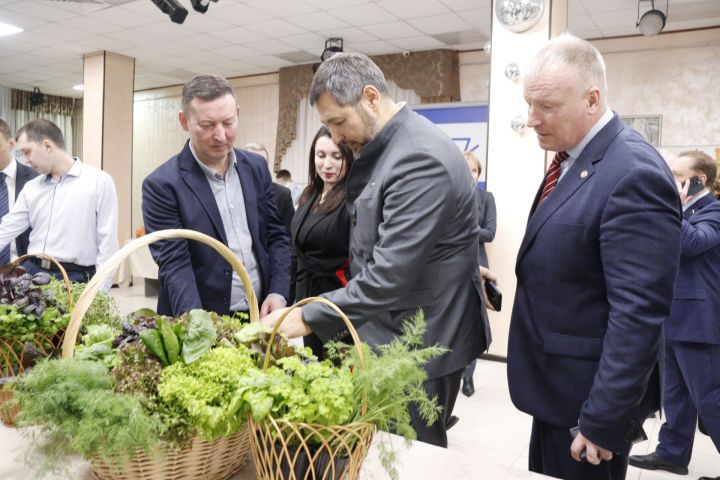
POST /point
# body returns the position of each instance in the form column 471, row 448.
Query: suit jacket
column 320, row 245
column 24, row 174
column 487, row 219
column 695, row 314
column 284, row 203
column 595, row 278
column 413, row 244
column 192, row 275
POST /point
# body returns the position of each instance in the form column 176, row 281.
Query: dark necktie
column 5, row 253
column 553, row 175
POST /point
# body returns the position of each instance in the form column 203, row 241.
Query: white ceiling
column 244, row 37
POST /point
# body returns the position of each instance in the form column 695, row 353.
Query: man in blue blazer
column 225, row 193
column 692, row 333
column 595, row 273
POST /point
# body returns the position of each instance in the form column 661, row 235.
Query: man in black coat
column 15, row 175
column 283, row 195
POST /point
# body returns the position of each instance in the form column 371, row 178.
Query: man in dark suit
column 595, row 273
column 15, row 175
column 414, row 231
column 225, row 193
column 283, row 196
column 692, row 332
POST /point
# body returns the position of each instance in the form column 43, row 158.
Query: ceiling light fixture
column 201, row 5
column 332, row 46
column 173, row 9
column 653, row 21
column 79, row 87
column 519, row 15
column 7, row 29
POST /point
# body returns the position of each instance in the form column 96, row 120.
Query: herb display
column 393, row 377
column 160, row 381
column 227, row 325
column 31, row 320
column 200, row 336
column 136, row 371
column 97, row 345
column 299, row 391
column 202, row 390
column 255, row 336
column 103, row 309
column 136, row 323
column 74, row 403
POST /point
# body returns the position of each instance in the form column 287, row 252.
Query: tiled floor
column 489, row 424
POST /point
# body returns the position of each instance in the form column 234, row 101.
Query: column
column 515, row 162
column 108, row 125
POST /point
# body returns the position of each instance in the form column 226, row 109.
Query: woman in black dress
column 321, row 225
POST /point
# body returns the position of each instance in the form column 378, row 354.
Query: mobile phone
column 695, row 185
column 494, row 295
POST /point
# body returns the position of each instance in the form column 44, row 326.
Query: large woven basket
column 201, row 459
column 11, row 364
column 285, row 450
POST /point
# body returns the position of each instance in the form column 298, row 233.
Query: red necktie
column 553, row 175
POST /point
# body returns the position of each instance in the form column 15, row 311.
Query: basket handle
column 92, row 287
column 66, row 280
column 346, row 321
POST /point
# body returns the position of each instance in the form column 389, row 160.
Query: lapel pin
column 583, row 174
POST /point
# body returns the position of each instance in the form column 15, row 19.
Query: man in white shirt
column 14, row 175
column 71, row 207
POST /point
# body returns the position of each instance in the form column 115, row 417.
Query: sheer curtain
column 308, row 123
column 64, row 122
column 6, row 112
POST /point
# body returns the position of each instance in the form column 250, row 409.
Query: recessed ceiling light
column 79, row 88
column 6, row 29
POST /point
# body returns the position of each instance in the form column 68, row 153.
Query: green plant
column 393, row 378
column 200, row 392
column 103, row 309
column 74, row 403
column 298, row 391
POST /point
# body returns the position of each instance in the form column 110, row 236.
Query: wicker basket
column 201, row 459
column 11, row 364
column 283, row 450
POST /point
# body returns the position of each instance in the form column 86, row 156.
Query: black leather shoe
column 654, row 462
column 451, row 422
column 468, row 387
column 709, row 478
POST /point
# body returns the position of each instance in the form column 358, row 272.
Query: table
column 138, row 264
column 420, row 461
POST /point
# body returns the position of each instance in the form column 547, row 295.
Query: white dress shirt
column 73, row 219
column 228, row 194
column 10, row 179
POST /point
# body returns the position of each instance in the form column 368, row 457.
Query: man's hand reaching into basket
column 293, row 325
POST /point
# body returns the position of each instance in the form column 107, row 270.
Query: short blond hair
column 471, row 157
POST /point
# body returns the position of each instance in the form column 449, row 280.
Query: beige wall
column 673, row 75
column 158, row 136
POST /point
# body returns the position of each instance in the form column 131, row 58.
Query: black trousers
column 75, row 273
column 446, row 389
column 550, row 455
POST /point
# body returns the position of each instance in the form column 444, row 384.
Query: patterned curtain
column 433, row 74
column 52, row 104
column 59, row 110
